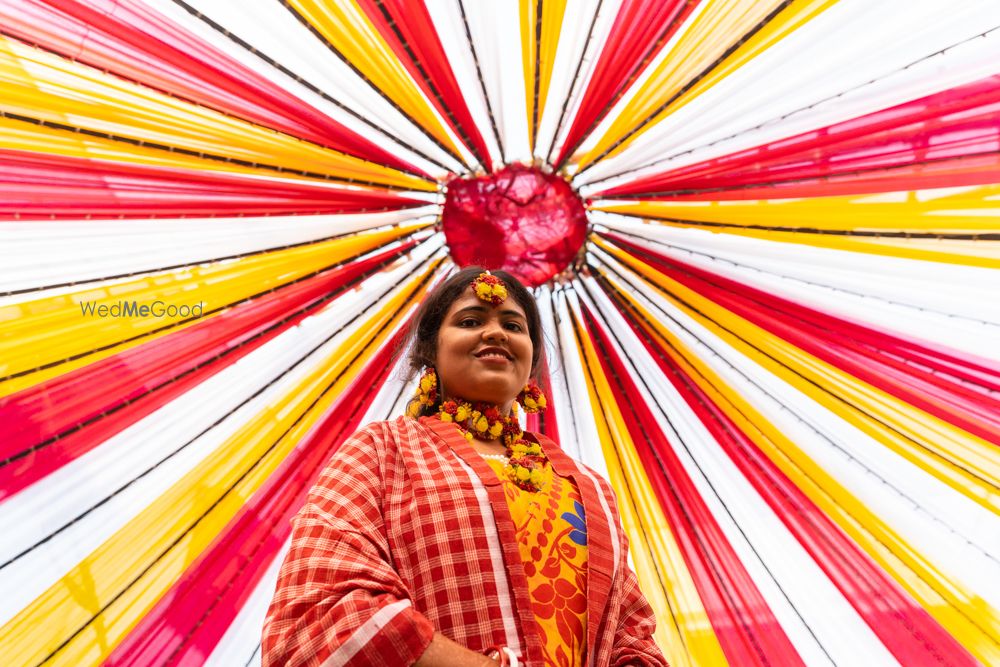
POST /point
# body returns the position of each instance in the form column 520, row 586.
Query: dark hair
column 427, row 321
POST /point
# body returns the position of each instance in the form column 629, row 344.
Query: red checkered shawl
column 407, row 531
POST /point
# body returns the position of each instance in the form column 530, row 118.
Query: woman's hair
column 427, row 321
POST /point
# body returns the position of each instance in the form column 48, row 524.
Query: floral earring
column 531, row 398
column 426, row 393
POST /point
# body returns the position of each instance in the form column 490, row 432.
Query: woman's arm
column 338, row 598
column 443, row 652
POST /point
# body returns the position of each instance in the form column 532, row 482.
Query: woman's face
column 484, row 351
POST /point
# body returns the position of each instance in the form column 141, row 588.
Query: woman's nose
column 494, row 331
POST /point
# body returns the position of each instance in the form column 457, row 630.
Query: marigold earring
column 531, row 398
column 426, row 393
column 489, row 288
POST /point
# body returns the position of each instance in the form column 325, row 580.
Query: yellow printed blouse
column 552, row 537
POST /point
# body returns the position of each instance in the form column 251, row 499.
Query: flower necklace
column 526, row 462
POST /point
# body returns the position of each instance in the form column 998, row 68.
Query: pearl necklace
column 498, row 457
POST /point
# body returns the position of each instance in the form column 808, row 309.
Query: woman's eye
column 468, row 322
column 514, row 326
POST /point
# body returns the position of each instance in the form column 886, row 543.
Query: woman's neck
column 504, row 406
column 488, row 446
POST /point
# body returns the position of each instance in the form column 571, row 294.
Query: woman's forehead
column 472, row 303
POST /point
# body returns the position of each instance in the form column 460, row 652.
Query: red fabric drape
column 746, row 627
column 40, row 186
column 902, row 624
column 545, row 421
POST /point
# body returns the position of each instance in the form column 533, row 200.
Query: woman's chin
column 487, row 394
column 493, row 400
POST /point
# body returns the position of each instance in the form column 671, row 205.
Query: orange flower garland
column 526, row 463
column 526, row 466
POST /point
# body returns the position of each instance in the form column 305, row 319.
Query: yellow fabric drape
column 539, row 55
column 683, row 629
column 829, row 222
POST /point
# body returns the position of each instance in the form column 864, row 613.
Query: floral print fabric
column 552, row 538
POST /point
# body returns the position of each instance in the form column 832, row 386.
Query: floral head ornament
column 490, row 288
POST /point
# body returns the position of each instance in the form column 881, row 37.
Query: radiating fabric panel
column 408, row 28
column 777, row 341
column 639, row 30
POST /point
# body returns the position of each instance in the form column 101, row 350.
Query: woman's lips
column 492, row 358
column 493, row 350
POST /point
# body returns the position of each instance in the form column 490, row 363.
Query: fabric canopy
column 778, row 339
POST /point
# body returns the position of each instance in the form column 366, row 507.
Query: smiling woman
column 484, row 352
column 455, row 328
column 451, row 536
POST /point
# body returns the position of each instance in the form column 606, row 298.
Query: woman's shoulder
column 545, row 441
column 393, row 432
column 379, row 444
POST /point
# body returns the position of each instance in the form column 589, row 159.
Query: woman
column 450, row 538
